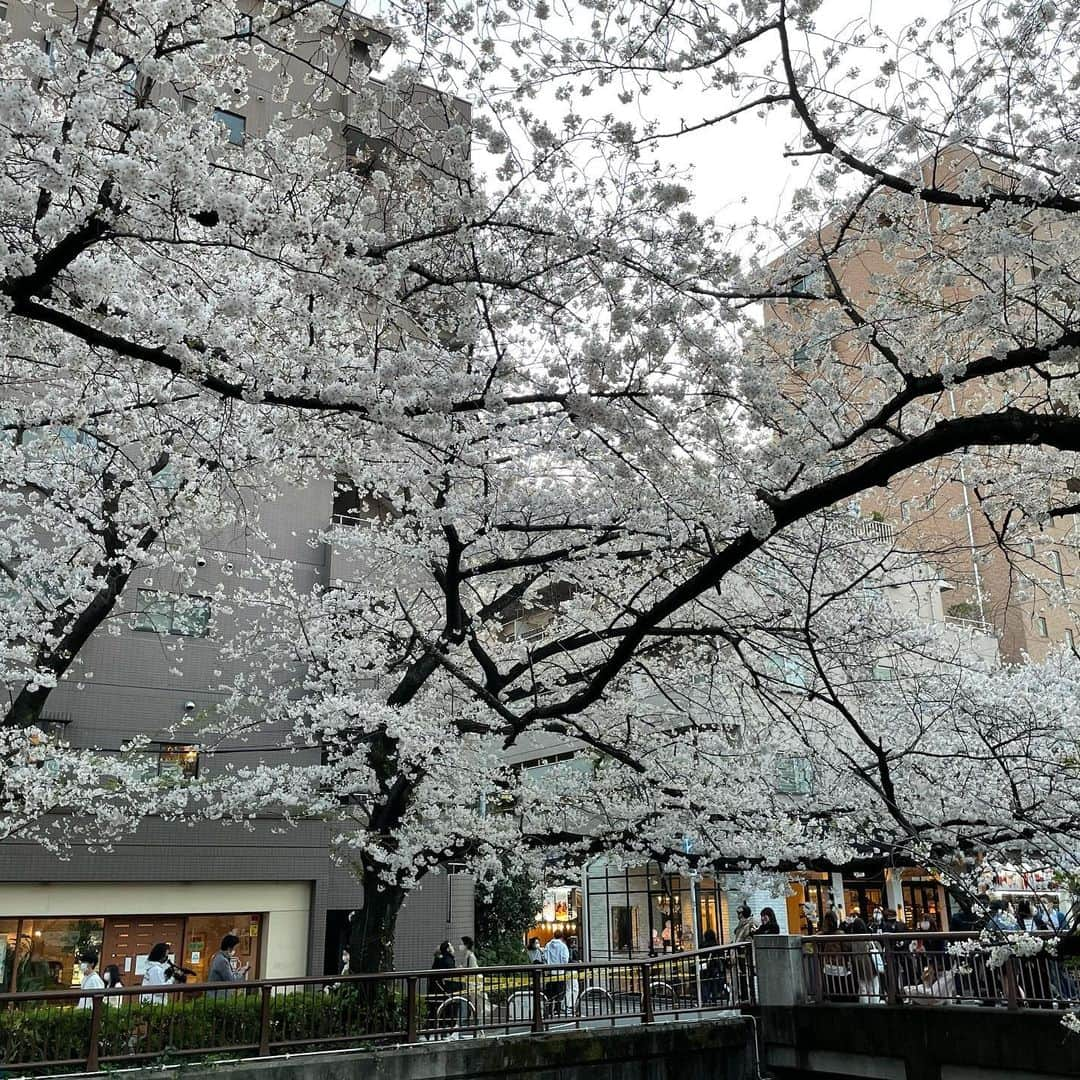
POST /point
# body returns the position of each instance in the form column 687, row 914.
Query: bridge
column 898, row 1007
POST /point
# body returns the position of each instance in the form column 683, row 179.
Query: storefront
column 43, row 928
column 634, row 912
column 912, row 893
column 561, row 912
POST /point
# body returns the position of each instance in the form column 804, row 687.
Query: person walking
column 468, row 955
column 713, row 972
column 157, row 974
column 867, row 961
column 222, row 969
column 111, row 977
column 556, row 953
column 91, row 980
column 440, row 988
column 767, row 924
column 837, row 979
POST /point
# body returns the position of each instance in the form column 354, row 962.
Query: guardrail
column 1007, row 968
column 71, row 1030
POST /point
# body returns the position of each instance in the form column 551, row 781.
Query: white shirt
column 93, row 981
column 556, row 952
column 154, row 976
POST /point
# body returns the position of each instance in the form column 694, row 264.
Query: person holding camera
column 159, row 972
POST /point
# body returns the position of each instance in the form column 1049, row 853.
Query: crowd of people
column 161, row 971
column 920, row 961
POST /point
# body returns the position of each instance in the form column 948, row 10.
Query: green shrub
column 198, row 1027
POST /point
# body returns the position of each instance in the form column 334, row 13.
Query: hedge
column 359, row 1014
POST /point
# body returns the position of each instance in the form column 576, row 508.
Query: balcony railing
column 75, row 1030
column 940, row 969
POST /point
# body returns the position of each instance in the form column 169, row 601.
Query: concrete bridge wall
column 720, row 1049
column 881, row 1042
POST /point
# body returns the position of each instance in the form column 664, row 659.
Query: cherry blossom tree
column 600, row 499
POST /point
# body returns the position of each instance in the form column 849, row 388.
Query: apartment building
column 274, row 885
column 1022, row 592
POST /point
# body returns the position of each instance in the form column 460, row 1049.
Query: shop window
column 47, row 950
column 622, row 928
column 179, row 761
column 203, row 936
column 9, row 936
column 166, row 613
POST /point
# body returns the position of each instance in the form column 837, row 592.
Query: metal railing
column 938, row 969
column 73, row 1030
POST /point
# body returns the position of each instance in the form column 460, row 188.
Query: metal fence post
column 647, row 1015
column 1012, row 996
column 412, row 1009
column 264, row 1023
column 95, row 1033
column 892, row 962
column 537, row 1000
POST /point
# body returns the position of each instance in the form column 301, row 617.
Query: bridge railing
column 1006, row 968
column 71, row 1030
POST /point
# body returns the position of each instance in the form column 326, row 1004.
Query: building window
column 905, row 511
column 1040, row 625
column 364, row 153
column 794, row 775
column 234, row 123
column 164, row 613
column 928, row 502
column 1069, row 641
column 1055, row 565
column 179, row 761
column 243, row 25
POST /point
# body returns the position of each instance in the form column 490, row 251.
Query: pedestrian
column 222, row 969
column 877, row 920
column 891, row 924
column 556, row 953
column 1000, row 919
column 91, row 980
column 867, row 961
column 1025, row 916
column 111, row 977
column 440, row 988
column 575, row 950
column 468, row 955
column 768, row 923
column 157, row 974
column 713, row 972
column 744, row 928
column 837, row 979
column 535, row 952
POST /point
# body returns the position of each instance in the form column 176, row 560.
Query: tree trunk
column 371, row 931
